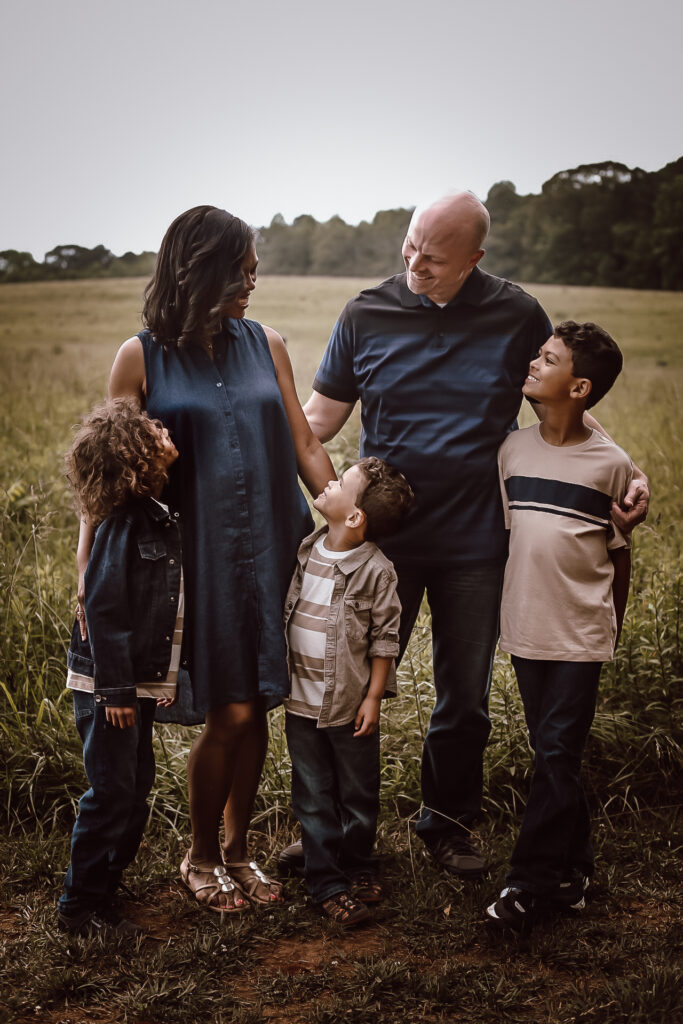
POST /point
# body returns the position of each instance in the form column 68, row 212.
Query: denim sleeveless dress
column 241, row 511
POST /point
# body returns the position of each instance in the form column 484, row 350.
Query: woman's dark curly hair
column 198, row 272
column 114, row 456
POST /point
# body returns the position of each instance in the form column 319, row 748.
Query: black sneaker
column 105, row 921
column 573, row 892
column 514, row 909
column 459, row 855
column 290, row 861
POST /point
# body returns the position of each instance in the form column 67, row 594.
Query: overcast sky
column 118, row 115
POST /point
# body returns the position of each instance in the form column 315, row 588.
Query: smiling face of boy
column 337, row 503
column 551, row 375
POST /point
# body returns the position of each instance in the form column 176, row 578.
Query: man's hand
column 635, row 505
column 123, row 718
column 367, row 718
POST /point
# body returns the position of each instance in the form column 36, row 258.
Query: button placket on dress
column 246, row 539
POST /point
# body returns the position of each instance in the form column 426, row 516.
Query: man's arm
column 326, row 416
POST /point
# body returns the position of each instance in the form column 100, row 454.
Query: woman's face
column 238, row 306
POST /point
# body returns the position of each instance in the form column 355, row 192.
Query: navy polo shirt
column 440, row 389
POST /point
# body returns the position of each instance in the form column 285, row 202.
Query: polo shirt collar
column 470, row 293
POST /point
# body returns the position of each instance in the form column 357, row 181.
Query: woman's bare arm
column 313, row 462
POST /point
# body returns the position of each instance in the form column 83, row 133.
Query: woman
column 223, row 386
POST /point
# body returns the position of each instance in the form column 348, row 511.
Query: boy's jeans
column 119, row 764
column 335, row 796
column 554, row 845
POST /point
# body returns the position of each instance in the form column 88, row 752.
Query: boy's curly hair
column 386, row 498
column 114, row 456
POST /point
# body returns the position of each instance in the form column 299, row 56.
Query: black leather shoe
column 459, row 855
column 106, row 922
column 290, row 861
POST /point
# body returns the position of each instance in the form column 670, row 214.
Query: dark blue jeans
column 554, row 844
column 465, row 605
column 335, row 796
column 119, row 765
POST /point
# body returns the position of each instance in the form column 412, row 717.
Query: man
column 437, row 357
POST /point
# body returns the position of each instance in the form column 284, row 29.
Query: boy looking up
column 342, row 619
column 564, row 596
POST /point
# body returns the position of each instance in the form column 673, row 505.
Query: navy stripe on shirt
column 574, row 497
column 556, row 512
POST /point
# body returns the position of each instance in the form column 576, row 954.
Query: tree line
column 597, row 224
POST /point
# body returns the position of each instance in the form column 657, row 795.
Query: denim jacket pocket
column 152, row 549
column 357, row 615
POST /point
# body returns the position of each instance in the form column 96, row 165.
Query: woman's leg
column 246, row 776
column 227, row 755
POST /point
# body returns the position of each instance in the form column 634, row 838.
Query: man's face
column 438, row 255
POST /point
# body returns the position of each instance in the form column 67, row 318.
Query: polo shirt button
column 176, row 515
column 158, row 675
column 171, row 561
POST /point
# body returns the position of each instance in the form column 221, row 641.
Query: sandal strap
column 223, row 882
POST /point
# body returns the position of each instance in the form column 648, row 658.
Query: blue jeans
column 554, row 844
column 119, row 765
column 465, row 605
column 335, row 796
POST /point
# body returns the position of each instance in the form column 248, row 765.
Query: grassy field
column 428, row 956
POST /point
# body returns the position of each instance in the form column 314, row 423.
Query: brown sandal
column 255, row 885
column 345, row 909
column 206, row 884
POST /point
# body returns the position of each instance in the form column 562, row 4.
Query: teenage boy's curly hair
column 114, row 456
column 595, row 356
column 385, row 499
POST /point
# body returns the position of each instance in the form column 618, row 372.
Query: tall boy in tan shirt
column 564, row 596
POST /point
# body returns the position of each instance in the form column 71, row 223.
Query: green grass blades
column 427, row 956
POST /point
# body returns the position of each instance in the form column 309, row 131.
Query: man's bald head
column 444, row 244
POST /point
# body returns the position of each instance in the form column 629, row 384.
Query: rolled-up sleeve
column 386, row 617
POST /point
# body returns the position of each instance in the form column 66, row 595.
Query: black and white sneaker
column 514, row 909
column 573, row 892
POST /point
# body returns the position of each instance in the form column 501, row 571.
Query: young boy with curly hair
column 342, row 616
column 124, row 653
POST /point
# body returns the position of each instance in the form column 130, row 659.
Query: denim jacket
column 362, row 624
column 132, row 584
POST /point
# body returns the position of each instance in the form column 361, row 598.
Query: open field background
column 428, row 956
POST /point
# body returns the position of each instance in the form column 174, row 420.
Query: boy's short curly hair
column 595, row 355
column 115, row 455
column 386, row 498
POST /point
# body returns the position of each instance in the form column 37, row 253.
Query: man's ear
column 581, row 388
column 355, row 519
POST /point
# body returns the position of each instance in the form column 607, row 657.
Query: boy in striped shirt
column 342, row 617
column 564, row 597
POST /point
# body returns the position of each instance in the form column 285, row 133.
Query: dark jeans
column 119, row 764
column 465, row 605
column 554, row 841
column 335, row 796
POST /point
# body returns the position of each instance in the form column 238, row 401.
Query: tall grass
column 58, row 343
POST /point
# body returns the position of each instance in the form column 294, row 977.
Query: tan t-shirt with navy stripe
column 557, row 596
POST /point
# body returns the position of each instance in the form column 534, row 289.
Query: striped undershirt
column 307, row 631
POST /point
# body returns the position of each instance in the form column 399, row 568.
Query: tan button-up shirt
column 362, row 625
